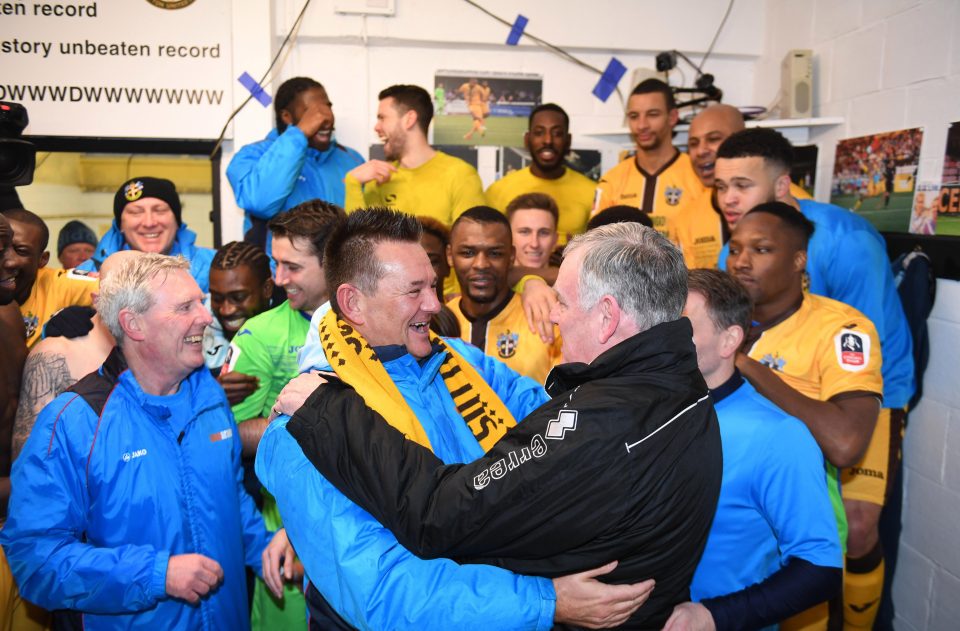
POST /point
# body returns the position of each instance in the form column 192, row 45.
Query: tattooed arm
column 45, row 376
column 13, row 339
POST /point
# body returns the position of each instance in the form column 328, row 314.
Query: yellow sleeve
column 354, row 194
column 852, row 361
column 495, row 196
column 467, row 193
column 602, row 198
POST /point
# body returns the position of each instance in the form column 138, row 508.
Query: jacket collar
column 666, row 348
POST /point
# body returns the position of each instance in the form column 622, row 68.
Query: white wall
column 885, row 65
column 355, row 57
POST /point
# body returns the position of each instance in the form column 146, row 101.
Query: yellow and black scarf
column 356, row 363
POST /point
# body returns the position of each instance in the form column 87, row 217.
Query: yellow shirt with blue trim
column 53, row 290
column 824, row 349
column 662, row 195
column 504, row 334
column 572, row 191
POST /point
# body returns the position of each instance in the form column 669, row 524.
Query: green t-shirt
column 267, row 348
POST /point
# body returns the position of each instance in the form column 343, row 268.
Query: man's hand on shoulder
column 538, row 300
column 373, row 170
column 690, row 617
column 237, row 385
column 190, row 577
column 295, row 393
column 584, row 601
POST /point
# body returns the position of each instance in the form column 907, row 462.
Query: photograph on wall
column 875, row 176
column 803, row 173
column 948, row 200
column 483, row 108
column 923, row 219
column 583, row 161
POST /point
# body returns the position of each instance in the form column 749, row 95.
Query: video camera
column 18, row 157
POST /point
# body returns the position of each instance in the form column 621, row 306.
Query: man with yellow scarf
column 445, row 395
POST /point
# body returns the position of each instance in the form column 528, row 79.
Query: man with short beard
column 659, row 179
column 491, row 315
column 548, row 141
column 414, row 177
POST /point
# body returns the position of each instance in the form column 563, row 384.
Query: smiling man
column 548, row 141
column 147, row 217
column 623, row 463
column 491, row 315
column 533, row 222
column 659, row 179
column 240, row 288
column 127, row 508
column 298, row 161
column 415, row 178
column 444, row 394
column 266, row 349
column 39, row 290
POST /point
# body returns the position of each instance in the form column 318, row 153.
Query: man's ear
column 781, row 187
column 286, row 117
column 730, row 340
column 351, row 302
column 674, row 116
column 800, row 260
column 449, row 257
column 409, row 119
column 266, row 292
column 44, row 259
column 611, row 315
column 132, row 325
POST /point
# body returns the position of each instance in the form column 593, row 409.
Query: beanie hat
column 141, row 187
column 75, row 232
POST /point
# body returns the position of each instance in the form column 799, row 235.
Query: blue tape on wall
column 251, row 84
column 609, row 79
column 517, row 31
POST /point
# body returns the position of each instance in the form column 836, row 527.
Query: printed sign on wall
column 119, row 68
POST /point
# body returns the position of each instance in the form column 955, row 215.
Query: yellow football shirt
column 53, row 290
column 443, row 187
column 507, row 337
column 662, row 194
column 824, row 349
column 699, row 233
column 572, row 191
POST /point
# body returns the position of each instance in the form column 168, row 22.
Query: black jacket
column 623, row 463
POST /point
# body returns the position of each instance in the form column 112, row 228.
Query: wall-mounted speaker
column 796, row 77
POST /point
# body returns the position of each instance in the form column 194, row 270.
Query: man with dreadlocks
column 240, row 288
column 444, row 394
column 298, row 161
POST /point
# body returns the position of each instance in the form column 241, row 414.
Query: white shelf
column 796, row 130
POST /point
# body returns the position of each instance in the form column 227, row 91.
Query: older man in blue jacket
column 128, row 507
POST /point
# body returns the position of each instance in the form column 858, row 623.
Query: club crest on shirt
column 507, row 344
column 673, row 195
column 773, row 362
column 31, row 322
column 853, row 350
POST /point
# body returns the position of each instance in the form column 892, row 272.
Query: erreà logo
column 171, row 4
